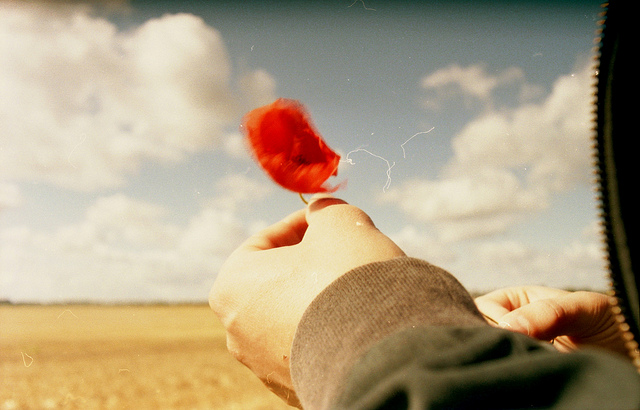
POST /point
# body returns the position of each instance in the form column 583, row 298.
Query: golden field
column 121, row 357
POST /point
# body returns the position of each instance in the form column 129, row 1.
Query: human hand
column 265, row 286
column 570, row 319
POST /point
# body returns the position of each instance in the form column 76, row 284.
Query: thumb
column 574, row 314
column 542, row 319
column 325, row 211
column 348, row 231
column 321, row 201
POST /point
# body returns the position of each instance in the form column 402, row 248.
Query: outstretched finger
column 502, row 301
column 496, row 303
column 573, row 314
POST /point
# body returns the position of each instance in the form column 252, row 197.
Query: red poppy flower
column 288, row 147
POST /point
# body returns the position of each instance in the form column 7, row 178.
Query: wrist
column 365, row 305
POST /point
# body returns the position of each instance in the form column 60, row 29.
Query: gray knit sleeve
column 362, row 307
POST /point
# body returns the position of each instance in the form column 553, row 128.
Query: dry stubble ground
column 121, row 357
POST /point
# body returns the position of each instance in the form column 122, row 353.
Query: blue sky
column 464, row 129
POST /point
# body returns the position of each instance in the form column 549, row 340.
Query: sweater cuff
column 362, row 307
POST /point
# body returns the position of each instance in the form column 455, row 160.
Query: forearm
column 363, row 307
column 407, row 330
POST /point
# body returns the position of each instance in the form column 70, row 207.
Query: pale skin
column 570, row 319
column 265, row 286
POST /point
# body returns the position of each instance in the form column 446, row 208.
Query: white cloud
column 418, row 244
column 550, row 140
column 213, row 232
column 236, row 191
column 507, row 163
column 122, row 249
column 491, row 263
column 483, row 192
column 85, row 103
column 10, row 196
column 258, row 88
column 473, row 84
column 483, row 202
column 235, row 146
column 501, row 263
column 118, row 222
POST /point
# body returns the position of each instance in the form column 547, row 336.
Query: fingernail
column 504, row 325
column 517, row 324
column 322, row 195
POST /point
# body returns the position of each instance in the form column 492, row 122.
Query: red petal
column 288, row 147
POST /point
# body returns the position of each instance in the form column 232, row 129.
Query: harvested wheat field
column 121, row 357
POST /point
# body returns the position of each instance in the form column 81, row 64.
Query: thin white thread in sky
column 389, row 163
column 412, row 137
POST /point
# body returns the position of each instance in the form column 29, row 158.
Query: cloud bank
column 507, row 162
column 85, row 103
column 124, row 249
